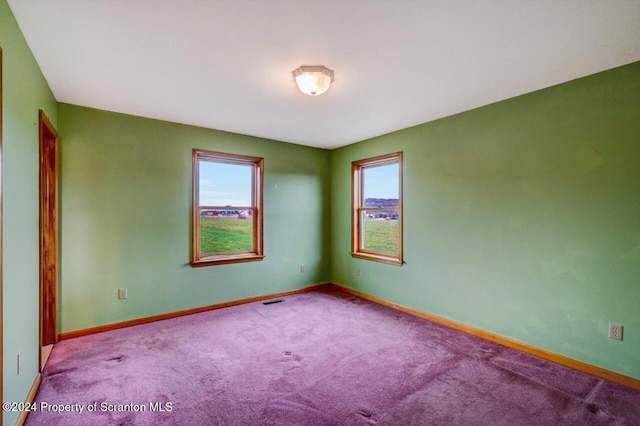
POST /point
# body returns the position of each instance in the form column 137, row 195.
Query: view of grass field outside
column 226, row 222
column 380, row 222
column 380, row 234
column 226, row 234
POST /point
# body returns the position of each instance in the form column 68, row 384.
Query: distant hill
column 381, row 202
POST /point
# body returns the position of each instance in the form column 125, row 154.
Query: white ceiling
column 226, row 64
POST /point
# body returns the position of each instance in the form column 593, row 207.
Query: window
column 227, row 208
column 376, row 224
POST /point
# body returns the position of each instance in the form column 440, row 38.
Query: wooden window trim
column 357, row 205
column 257, row 254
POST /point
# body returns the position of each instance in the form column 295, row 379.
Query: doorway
column 48, row 237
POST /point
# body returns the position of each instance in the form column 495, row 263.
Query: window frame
column 257, row 177
column 358, row 206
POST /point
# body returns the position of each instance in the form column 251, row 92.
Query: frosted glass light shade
column 313, row 80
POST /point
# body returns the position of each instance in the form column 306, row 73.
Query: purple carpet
column 320, row 358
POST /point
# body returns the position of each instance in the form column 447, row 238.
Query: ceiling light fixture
column 313, row 80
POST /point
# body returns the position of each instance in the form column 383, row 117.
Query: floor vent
column 271, row 302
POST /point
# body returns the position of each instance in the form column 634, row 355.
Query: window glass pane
column 227, row 209
column 223, row 184
column 381, row 185
column 376, row 224
column 380, row 231
column 226, row 231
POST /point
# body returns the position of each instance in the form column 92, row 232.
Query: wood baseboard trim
column 504, row 341
column 30, row 398
column 169, row 315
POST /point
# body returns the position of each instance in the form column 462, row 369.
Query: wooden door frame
column 1, row 284
column 48, row 291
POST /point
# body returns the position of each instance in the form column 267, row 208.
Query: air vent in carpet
column 271, row 302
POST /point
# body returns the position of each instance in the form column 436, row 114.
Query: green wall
column 522, row 218
column 126, row 218
column 25, row 92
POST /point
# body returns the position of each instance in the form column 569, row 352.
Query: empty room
column 297, row 213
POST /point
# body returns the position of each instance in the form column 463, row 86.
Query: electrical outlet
column 357, row 272
column 301, row 268
column 19, row 362
column 615, row 331
column 122, row 293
